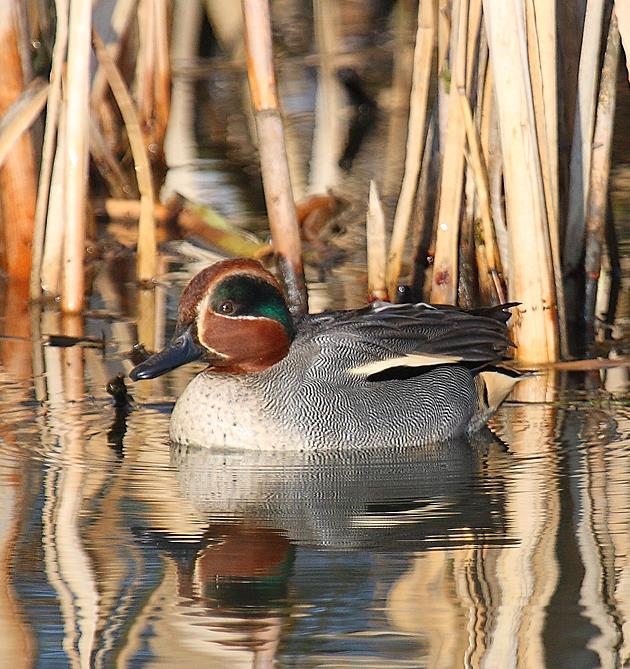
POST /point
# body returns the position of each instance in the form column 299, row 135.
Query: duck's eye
column 226, row 308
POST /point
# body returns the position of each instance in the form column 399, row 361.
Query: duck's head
column 232, row 315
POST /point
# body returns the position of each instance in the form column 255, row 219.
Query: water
column 120, row 550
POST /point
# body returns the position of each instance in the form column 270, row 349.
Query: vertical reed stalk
column 402, row 72
column 531, row 277
column 77, row 112
column 443, row 71
column 541, row 42
column 147, row 247
column 376, row 247
column 444, row 285
column 273, row 158
column 162, row 82
column 154, row 78
column 48, row 148
column 416, row 134
column 583, row 134
column 600, row 171
column 328, row 127
column 18, row 189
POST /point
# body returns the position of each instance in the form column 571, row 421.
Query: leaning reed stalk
column 445, row 265
column 18, row 189
column 122, row 16
column 52, row 258
column 21, row 115
column 77, row 111
column 531, row 279
column 416, row 135
column 583, row 134
column 600, row 171
column 273, row 158
column 147, row 249
column 480, row 176
column 48, row 148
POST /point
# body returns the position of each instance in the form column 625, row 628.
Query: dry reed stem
column 147, row 249
column 153, row 73
column 531, row 278
column 416, row 135
column 327, row 137
column 445, row 265
column 541, row 42
column 122, row 16
column 21, row 115
column 600, row 171
column 108, row 163
column 77, row 112
column 622, row 10
column 402, row 72
column 583, row 134
column 52, row 259
column 273, row 159
column 145, row 64
column 376, row 246
column 494, row 162
column 48, row 148
column 443, row 71
column 480, row 176
column 18, row 186
column 426, row 201
column 162, row 82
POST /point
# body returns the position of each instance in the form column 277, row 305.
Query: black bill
column 181, row 349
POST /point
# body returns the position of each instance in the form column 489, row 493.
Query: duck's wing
column 384, row 336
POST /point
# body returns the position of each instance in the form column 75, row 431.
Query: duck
column 395, row 375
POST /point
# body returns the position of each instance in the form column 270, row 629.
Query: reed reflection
column 494, row 553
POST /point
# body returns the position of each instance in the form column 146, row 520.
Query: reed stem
column 147, row 247
column 600, row 171
column 18, row 177
column 531, row 271
column 376, row 247
column 416, row 135
column 77, row 113
column 48, row 149
column 445, row 265
column 273, row 158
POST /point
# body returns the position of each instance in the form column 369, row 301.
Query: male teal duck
column 386, row 374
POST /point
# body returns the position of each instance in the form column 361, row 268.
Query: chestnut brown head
column 232, row 315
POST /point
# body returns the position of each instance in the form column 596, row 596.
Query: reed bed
column 504, row 191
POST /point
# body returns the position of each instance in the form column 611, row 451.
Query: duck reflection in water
column 236, row 583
